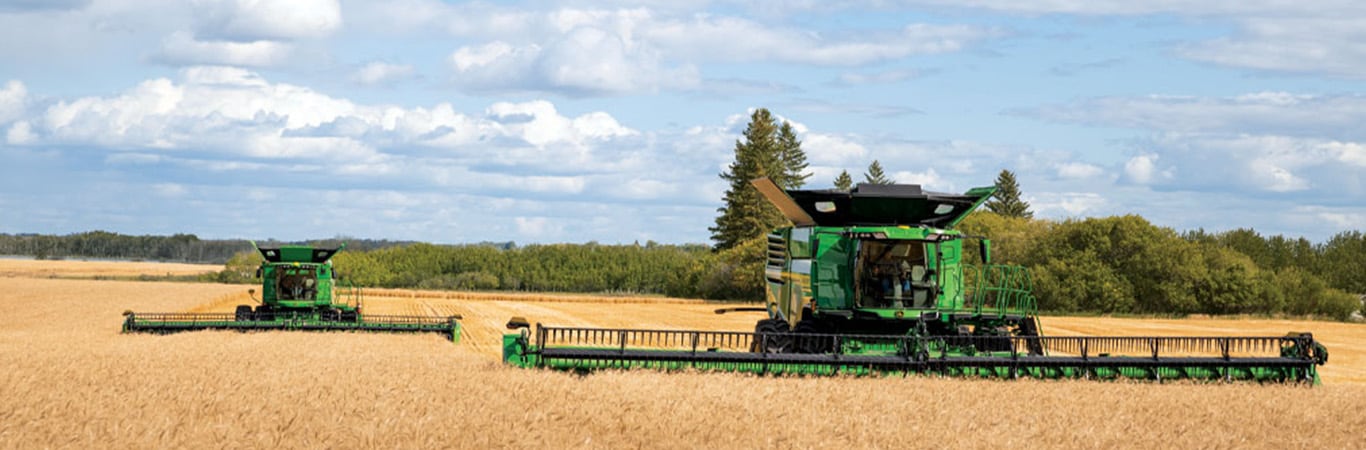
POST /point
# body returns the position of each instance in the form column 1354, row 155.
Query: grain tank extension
column 875, row 281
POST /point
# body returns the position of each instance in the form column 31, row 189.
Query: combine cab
column 874, row 280
column 299, row 291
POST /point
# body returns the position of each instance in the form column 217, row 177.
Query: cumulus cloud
column 1078, row 170
column 259, row 20
column 217, row 121
column 1143, row 169
column 13, row 101
column 379, row 72
column 1282, row 113
column 734, row 39
column 183, row 48
column 1066, row 204
column 21, row 133
column 1328, row 45
column 929, row 177
column 1265, row 142
column 587, row 61
column 601, row 51
column 1325, row 170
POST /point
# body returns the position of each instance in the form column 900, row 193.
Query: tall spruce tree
column 1006, row 201
column 792, row 158
column 747, row 214
column 844, row 182
column 874, row 174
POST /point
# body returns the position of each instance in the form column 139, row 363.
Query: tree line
column 175, row 248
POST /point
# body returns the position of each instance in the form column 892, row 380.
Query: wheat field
column 71, row 380
column 11, row 267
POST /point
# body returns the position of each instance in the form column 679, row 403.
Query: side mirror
column 984, row 249
column 258, row 272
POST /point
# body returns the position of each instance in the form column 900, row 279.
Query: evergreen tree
column 747, row 214
column 875, row 175
column 792, row 157
column 844, row 182
column 1006, row 201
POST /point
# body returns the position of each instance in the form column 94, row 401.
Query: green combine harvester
column 299, row 291
column 874, row 281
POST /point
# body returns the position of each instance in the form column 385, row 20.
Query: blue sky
column 609, row 121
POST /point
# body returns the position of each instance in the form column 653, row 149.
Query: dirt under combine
column 874, row 281
column 299, row 291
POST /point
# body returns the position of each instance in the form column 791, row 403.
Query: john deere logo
column 900, row 314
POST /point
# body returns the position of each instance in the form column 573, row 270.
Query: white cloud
column 612, row 51
column 1325, row 44
column 1078, row 170
column 1262, row 142
column 1142, row 169
column 732, row 39
column 169, row 190
column 883, row 77
column 378, row 72
column 1066, row 204
column 1281, row 113
column 258, row 20
column 1343, row 220
column 182, row 48
column 584, row 61
column 929, row 179
column 21, row 133
column 1305, row 168
column 13, row 101
column 830, row 149
column 537, row 227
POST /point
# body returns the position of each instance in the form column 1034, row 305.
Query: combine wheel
column 264, row 313
column 349, row 316
column 813, row 344
column 330, row 315
column 768, row 332
column 243, row 313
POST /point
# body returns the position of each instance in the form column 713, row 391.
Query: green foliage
column 1306, row 294
column 1344, row 261
column 1006, row 201
column 1341, row 261
column 656, row 269
column 874, row 174
column 738, row 272
column 844, row 182
column 1011, row 237
column 793, row 158
column 240, row 268
column 746, row 213
column 177, row 247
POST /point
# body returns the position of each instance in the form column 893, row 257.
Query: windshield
column 894, row 274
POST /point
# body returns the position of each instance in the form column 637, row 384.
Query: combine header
column 299, row 291
column 873, row 281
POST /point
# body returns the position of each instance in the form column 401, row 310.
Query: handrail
column 1000, row 289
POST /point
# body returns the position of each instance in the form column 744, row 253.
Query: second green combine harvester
column 299, row 291
column 875, row 281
